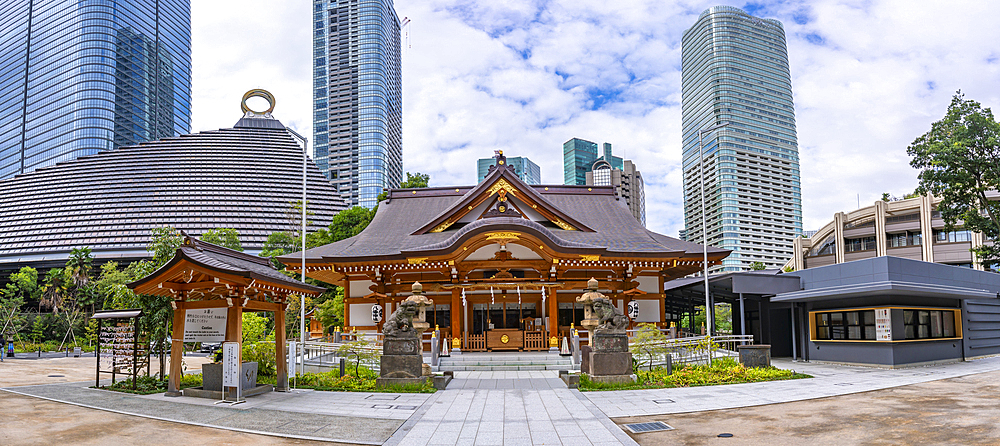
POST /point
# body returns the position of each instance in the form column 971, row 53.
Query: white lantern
column 376, row 313
column 633, row 309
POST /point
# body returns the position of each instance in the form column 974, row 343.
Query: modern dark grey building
column 244, row 178
column 81, row 77
column 357, row 97
column 579, row 156
column 734, row 69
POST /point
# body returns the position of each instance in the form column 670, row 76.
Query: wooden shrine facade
column 503, row 261
column 202, row 275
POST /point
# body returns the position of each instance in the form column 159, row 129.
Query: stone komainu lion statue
column 400, row 323
column 609, row 316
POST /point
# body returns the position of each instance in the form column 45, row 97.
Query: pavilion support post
column 280, row 350
column 456, row 316
column 176, row 350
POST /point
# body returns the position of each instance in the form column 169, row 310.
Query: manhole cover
column 382, row 397
column 641, row 428
column 406, row 407
column 663, row 401
column 57, row 376
column 381, row 406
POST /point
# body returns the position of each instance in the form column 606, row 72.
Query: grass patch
column 363, row 381
column 721, row 371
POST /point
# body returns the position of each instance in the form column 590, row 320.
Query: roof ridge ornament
column 258, row 93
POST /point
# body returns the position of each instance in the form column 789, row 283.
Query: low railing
column 690, row 350
column 534, row 341
column 328, row 354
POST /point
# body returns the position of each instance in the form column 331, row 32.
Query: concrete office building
column 910, row 228
column 627, row 183
column 78, row 78
column 579, row 156
column 524, row 168
column 735, row 71
column 357, row 97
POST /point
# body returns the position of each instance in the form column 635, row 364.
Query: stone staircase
column 493, row 362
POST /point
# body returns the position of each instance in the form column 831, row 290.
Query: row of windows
column 860, row 325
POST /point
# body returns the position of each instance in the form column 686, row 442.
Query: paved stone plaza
column 483, row 408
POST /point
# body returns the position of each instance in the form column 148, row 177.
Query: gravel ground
column 956, row 411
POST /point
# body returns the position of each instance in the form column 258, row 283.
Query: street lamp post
column 302, row 302
column 709, row 310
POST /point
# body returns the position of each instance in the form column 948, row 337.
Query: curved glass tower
column 358, row 97
column 81, row 76
column 735, row 70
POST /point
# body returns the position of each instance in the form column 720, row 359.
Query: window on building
column 952, row 236
column 903, row 239
column 859, row 244
column 928, row 324
column 846, row 325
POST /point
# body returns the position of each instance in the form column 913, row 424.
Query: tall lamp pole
column 302, row 301
column 709, row 311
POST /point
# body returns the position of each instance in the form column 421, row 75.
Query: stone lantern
column 590, row 320
column 420, row 324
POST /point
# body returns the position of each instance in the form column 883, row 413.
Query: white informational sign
column 205, row 325
column 231, row 364
column 376, row 313
column 633, row 309
column 883, row 325
column 292, row 352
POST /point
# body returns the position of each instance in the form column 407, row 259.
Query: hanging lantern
column 377, row 313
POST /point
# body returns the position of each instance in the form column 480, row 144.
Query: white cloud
column 525, row 76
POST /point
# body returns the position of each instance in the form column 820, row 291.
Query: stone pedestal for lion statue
column 402, row 361
column 610, row 360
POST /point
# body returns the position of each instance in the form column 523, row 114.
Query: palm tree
column 79, row 264
column 55, row 290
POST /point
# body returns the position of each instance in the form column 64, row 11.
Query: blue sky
column 525, row 76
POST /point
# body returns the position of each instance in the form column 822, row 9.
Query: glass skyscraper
column 526, row 170
column 578, row 159
column 735, row 70
column 358, row 97
column 83, row 76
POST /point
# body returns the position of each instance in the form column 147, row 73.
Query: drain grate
column 663, row 401
column 405, row 407
column 381, row 406
column 382, row 397
column 641, row 428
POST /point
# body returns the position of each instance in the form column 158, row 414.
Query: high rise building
column 81, row 77
column 578, row 158
column 524, row 168
column 358, row 97
column 627, row 182
column 735, row 71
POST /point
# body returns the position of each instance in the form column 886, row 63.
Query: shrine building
column 504, row 260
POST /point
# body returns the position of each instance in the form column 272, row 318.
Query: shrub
column 263, row 354
column 721, row 371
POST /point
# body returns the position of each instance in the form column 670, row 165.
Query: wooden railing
column 534, row 341
column 476, row 343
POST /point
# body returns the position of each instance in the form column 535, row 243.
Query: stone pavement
column 509, row 408
column 828, row 380
column 367, row 418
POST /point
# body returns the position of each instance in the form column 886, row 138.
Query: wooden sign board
column 205, row 325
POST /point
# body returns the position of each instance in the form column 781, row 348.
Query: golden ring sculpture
column 258, row 93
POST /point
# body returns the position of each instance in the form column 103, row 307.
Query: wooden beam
column 264, row 306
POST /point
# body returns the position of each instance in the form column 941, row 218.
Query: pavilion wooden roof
column 203, row 271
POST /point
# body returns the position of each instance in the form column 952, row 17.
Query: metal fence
column 689, row 350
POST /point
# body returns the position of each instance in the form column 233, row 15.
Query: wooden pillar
column 553, row 311
column 176, row 349
column 456, row 316
column 347, row 306
column 280, row 353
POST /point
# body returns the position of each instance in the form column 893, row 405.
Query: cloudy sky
column 868, row 77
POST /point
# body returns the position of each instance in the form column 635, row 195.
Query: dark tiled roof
column 242, row 178
column 615, row 232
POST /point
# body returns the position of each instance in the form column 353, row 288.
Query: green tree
column 55, row 291
column 647, row 343
column 330, row 313
column 959, row 161
column 164, row 244
column 22, row 286
column 79, row 265
column 349, row 222
column 757, row 266
column 415, row 180
column 359, row 352
column 224, row 237
column 254, row 327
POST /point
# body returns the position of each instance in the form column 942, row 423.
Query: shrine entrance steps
column 506, row 361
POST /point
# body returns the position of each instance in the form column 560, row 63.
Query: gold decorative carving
column 442, row 226
column 590, row 258
column 503, row 236
column 504, row 339
column 563, row 225
column 502, row 184
column 416, row 260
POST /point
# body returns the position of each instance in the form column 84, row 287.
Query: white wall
column 361, row 315
column 649, row 310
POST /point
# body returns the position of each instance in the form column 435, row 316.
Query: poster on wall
column 883, row 325
column 205, row 325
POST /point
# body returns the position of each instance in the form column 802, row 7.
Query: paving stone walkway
column 366, row 418
column 509, row 408
column 828, row 380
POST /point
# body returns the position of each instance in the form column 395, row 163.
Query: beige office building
column 910, row 228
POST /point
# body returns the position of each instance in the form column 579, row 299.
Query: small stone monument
column 402, row 360
column 610, row 361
